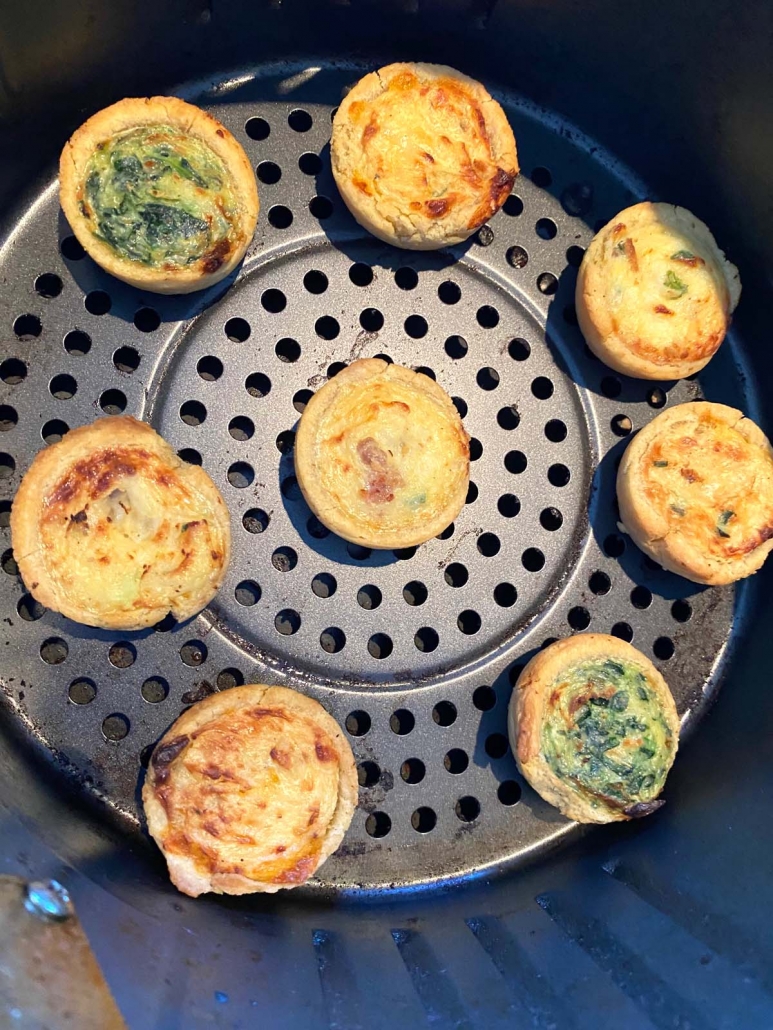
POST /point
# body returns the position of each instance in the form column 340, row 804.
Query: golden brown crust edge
column 182, row 870
column 47, row 469
column 126, row 114
column 649, row 531
column 305, row 453
column 430, row 236
column 598, row 328
column 526, row 710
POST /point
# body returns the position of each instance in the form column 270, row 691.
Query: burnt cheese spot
column 281, row 757
column 165, row 754
column 438, row 208
column 215, row 257
column 268, row 713
column 299, row 872
column 324, row 753
column 97, row 474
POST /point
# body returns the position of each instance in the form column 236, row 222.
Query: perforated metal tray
column 414, row 651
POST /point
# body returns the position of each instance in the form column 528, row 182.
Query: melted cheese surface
column 126, row 532
column 662, row 284
column 251, row 791
column 421, row 151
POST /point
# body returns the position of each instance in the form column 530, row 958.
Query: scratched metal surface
column 534, row 555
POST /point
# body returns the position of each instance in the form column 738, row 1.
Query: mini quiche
column 594, row 728
column 382, row 457
column 159, row 193
column 655, row 293
column 695, row 489
column 250, row 790
column 422, row 155
column 110, row 528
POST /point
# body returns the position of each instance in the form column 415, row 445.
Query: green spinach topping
column 722, row 522
column 160, row 197
column 605, row 732
column 673, row 283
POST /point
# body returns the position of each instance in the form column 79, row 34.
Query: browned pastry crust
column 190, row 121
column 250, row 791
column 111, row 528
column 422, row 155
column 655, row 293
column 695, row 489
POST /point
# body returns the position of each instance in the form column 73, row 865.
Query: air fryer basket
column 446, row 903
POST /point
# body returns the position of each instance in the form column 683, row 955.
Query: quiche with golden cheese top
column 250, row 790
column 594, row 728
column 422, row 155
column 381, row 455
column 110, row 528
column 159, row 193
column 655, row 293
column 695, row 489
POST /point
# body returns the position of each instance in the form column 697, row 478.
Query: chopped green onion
column 722, row 521
column 672, row 282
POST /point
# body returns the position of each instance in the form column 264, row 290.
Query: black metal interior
column 662, row 924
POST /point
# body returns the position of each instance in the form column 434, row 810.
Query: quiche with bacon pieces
column 381, row 455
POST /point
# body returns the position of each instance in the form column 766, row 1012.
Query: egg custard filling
column 162, row 197
column 111, row 528
column 382, row 456
column 659, row 286
column 123, row 533
column 426, row 149
column 251, row 794
column 605, row 734
column 712, row 485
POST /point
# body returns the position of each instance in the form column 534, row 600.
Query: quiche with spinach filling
column 695, row 489
column 594, row 729
column 159, row 193
column 655, row 293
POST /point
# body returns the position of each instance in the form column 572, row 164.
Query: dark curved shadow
column 604, row 517
column 125, row 301
column 346, row 235
column 492, row 728
column 316, row 536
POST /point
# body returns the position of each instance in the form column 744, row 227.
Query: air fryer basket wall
column 661, row 924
